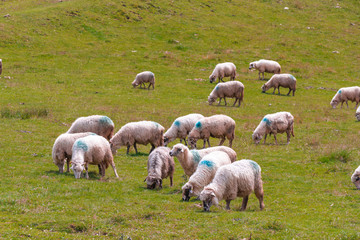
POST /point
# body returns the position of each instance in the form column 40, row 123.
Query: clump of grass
column 78, row 228
column 343, row 156
column 275, row 226
column 24, row 114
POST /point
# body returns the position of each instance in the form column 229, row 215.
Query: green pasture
column 72, row 58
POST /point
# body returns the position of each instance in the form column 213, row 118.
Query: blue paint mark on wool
column 198, row 124
column 293, row 78
column 196, row 156
column 255, row 166
column 81, row 145
column 156, row 124
column 339, row 91
column 207, row 163
column 104, row 120
column 177, row 123
column 267, row 121
column 217, row 87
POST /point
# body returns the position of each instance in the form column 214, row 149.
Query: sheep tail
column 242, row 95
column 292, row 130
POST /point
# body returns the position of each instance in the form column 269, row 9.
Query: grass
column 63, row 60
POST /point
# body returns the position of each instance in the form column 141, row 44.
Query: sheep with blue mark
column 238, row 179
column 264, row 65
column 221, row 70
column 204, row 173
column 101, row 125
column 233, row 89
column 355, row 178
column 142, row 132
column 217, row 126
column 94, row 150
column 62, row 149
column 181, row 128
column 357, row 113
column 280, row 80
column 346, row 94
column 189, row 159
column 144, row 77
column 275, row 123
column 160, row 165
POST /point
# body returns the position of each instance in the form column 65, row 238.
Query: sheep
column 160, row 165
column 92, row 149
column 221, row 70
column 0, row 66
column 218, row 126
column 204, row 173
column 280, row 80
column 234, row 89
column 143, row 132
column 144, row 77
column 101, row 125
column 238, row 179
column 264, row 65
column 355, row 178
column 279, row 122
column 181, row 128
column 357, row 114
column 189, row 159
column 62, row 149
column 345, row 94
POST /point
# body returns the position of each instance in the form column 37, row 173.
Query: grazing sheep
column 181, row 128
column 357, row 114
column 62, row 149
column 234, row 89
column 92, row 149
column 345, row 94
column 218, row 126
column 101, row 125
column 355, row 178
column 160, row 165
column 144, row 77
column 222, row 70
column 143, row 132
column 263, row 66
column 204, row 173
column 189, row 159
column 0, row 66
column 279, row 122
column 238, row 179
column 280, row 80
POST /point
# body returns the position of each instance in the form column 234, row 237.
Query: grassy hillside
column 63, row 60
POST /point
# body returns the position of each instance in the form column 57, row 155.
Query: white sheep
column 346, row 94
column 355, row 178
column 221, row 70
column 204, row 173
column 92, row 149
column 233, row 89
column 181, row 128
column 357, row 113
column 143, row 132
column 62, row 149
column 264, row 65
column 280, row 80
column 144, row 77
column 275, row 123
column 218, row 126
column 238, row 179
column 189, row 159
column 101, row 125
column 160, row 165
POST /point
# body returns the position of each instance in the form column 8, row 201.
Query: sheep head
column 211, row 100
column 212, row 78
column 208, row 197
column 355, row 178
column 153, row 182
column 135, row 83
column 77, row 168
column 177, row 150
column 264, row 88
column 187, row 191
column 252, row 65
column 334, row 103
column 257, row 138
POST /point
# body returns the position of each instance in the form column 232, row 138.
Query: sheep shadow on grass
column 270, row 93
column 93, row 175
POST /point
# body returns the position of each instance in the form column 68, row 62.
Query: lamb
column 62, row 149
column 280, row 80
column 160, row 165
column 355, row 178
column 345, row 94
column 221, row 70
column 144, row 77
column 268, row 66
column 101, row 125
column 357, row 114
column 234, row 89
column 181, row 128
column 279, row 122
column 143, row 132
column 218, row 126
column 189, row 159
column 204, row 173
column 92, row 149
column 238, row 179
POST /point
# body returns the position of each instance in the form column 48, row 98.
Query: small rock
column 269, row 104
column 336, row 52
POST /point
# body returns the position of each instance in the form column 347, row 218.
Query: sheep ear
column 213, row 194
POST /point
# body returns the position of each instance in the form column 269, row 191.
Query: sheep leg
column 289, row 92
column 135, row 148
column 293, row 92
column 274, row 90
column 204, row 143
column 279, row 90
column 244, row 203
column 259, row 76
column 127, row 149
column 275, row 139
column 235, row 101
column 152, row 148
column 222, row 141
column 100, row 171
column 288, row 136
column 228, row 204
column 67, row 165
column 265, row 138
column 347, row 104
column 263, row 75
column 171, row 181
column 86, row 171
column 230, row 142
column 114, row 168
column 185, row 142
column 219, row 101
column 225, row 101
column 259, row 193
